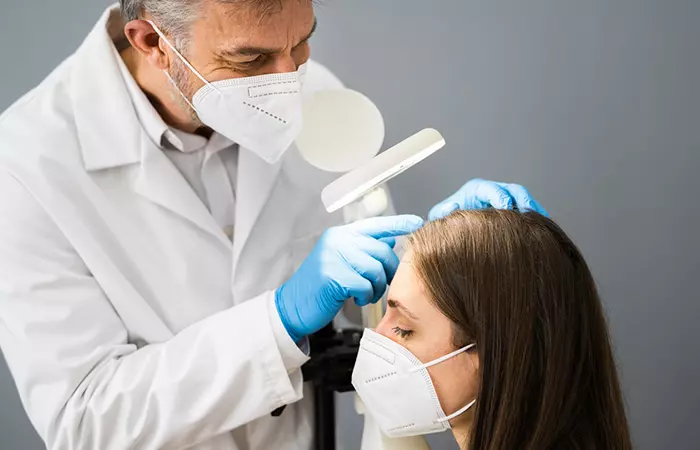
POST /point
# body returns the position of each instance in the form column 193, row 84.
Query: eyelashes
column 402, row 333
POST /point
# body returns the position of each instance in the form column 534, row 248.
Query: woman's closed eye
column 401, row 332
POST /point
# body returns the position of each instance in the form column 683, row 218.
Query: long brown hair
column 517, row 286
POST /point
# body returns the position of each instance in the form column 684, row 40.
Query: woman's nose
column 384, row 327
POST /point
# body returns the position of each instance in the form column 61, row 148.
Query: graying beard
column 180, row 75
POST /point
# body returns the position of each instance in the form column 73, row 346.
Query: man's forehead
column 246, row 23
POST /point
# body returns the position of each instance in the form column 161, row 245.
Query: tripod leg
column 324, row 407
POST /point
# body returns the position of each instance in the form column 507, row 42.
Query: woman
column 494, row 329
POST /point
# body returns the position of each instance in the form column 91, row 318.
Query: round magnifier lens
column 342, row 130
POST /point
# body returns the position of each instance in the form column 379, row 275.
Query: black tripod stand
column 333, row 355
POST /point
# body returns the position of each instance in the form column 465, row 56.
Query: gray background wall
column 594, row 105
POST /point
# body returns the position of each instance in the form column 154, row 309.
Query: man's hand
column 481, row 194
column 352, row 261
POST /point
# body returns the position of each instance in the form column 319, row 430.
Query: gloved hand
column 348, row 262
column 481, row 194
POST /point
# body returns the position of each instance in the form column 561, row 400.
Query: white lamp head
column 381, row 169
column 342, row 130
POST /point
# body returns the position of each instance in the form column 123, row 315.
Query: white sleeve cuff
column 293, row 355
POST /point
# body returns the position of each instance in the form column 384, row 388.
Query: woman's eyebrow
column 395, row 304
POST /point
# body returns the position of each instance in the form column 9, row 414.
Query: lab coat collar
column 151, row 122
column 111, row 134
column 105, row 118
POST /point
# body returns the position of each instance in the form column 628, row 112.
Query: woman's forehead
column 405, row 283
column 408, row 290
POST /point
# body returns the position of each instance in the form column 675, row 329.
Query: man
column 162, row 248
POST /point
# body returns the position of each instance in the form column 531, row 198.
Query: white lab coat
column 127, row 317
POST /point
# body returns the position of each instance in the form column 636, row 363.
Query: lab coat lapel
column 160, row 182
column 111, row 134
column 256, row 179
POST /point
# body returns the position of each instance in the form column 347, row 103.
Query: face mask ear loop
column 179, row 91
column 443, row 358
column 457, row 413
column 184, row 60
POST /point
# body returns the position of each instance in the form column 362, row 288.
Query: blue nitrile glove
column 481, row 194
column 352, row 261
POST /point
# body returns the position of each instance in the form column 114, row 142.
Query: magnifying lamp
column 342, row 130
column 381, row 169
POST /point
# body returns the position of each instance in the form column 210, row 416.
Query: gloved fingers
column 387, row 226
column 390, row 241
column 382, row 253
column 523, row 199
column 348, row 283
column 362, row 303
column 442, row 210
column 476, row 194
column 370, row 269
column 485, row 194
column 536, row 206
column 360, row 289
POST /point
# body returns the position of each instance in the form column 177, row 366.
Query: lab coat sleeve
column 293, row 355
column 82, row 382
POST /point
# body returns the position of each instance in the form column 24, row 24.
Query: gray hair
column 175, row 16
column 172, row 16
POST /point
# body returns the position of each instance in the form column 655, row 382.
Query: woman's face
column 413, row 322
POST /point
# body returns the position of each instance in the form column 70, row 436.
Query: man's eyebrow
column 397, row 305
column 252, row 51
column 311, row 33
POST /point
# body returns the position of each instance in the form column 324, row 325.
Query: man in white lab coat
column 162, row 245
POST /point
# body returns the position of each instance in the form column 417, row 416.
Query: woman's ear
column 144, row 39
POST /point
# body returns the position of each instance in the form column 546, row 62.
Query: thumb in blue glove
column 352, row 261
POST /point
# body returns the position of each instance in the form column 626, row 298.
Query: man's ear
column 144, row 39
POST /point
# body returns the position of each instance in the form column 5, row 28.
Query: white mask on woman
column 261, row 113
column 397, row 390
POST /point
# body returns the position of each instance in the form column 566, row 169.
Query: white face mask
column 261, row 113
column 397, row 390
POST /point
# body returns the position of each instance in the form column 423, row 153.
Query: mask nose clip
column 280, row 88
